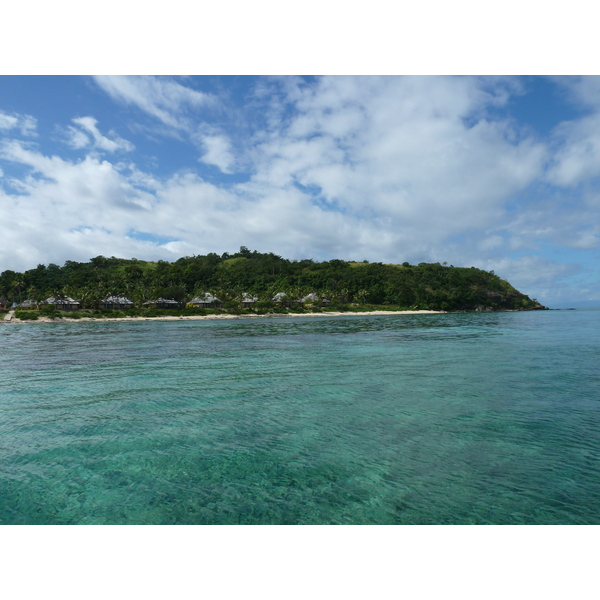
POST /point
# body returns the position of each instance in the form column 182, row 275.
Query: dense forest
column 344, row 284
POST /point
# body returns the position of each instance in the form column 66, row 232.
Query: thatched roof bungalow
column 312, row 298
column 205, row 301
column 28, row 305
column 64, row 303
column 248, row 300
column 113, row 302
column 162, row 303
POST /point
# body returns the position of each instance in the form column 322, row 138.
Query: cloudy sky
column 500, row 173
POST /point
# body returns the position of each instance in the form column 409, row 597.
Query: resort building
column 64, row 303
column 248, row 300
column 312, row 298
column 162, row 303
column 279, row 298
column 113, row 302
column 205, row 301
column 3, row 303
column 28, row 305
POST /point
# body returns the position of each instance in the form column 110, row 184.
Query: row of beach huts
column 120, row 302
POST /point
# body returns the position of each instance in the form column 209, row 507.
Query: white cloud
column 181, row 110
column 7, row 121
column 491, row 243
column 91, row 187
column 218, row 152
column 528, row 270
column 587, row 239
column 78, row 138
column 582, row 91
column 553, row 218
column 80, row 210
column 388, row 169
column 26, row 124
column 163, row 99
column 418, row 152
column 577, row 158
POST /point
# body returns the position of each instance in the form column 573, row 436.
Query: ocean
column 472, row 418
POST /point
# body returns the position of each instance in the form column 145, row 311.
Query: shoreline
column 216, row 317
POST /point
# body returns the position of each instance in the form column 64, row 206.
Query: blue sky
column 497, row 172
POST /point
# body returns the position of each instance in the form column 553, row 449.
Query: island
column 249, row 283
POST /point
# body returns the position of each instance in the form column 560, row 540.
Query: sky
column 497, row 172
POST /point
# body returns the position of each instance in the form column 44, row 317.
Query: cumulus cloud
column 87, row 134
column 378, row 167
column 76, row 138
column 218, row 152
column 91, row 187
column 88, row 208
column 417, row 152
column 576, row 156
column 81, row 210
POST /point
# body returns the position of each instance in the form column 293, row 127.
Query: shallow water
column 423, row 419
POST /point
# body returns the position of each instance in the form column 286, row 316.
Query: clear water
column 424, row 419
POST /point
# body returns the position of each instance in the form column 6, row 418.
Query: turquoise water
column 412, row 419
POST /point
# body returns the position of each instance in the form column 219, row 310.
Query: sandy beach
column 207, row 317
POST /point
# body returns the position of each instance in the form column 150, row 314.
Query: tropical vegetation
column 341, row 285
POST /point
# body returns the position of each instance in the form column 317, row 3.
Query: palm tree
column 34, row 295
column 90, row 295
column 17, row 286
column 361, row 296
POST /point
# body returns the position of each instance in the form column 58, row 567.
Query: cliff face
column 495, row 301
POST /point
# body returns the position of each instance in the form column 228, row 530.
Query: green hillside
column 347, row 285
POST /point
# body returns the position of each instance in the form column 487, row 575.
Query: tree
column 361, row 296
column 34, row 294
column 17, row 286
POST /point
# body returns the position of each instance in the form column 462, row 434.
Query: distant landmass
column 262, row 281
column 578, row 304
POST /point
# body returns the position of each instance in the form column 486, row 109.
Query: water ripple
column 456, row 418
